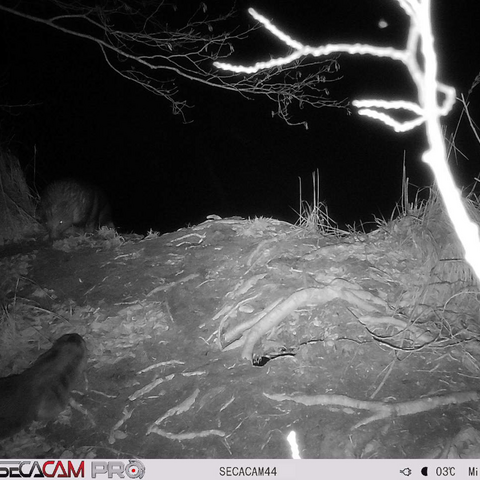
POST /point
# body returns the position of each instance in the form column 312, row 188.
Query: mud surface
column 169, row 374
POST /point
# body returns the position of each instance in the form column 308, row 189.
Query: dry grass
column 17, row 222
column 17, row 206
column 442, row 284
column 314, row 218
column 436, row 276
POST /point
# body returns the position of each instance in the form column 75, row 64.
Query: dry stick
column 382, row 383
column 186, row 436
column 470, row 121
column 239, row 329
column 421, row 336
column 381, row 409
column 298, row 299
column 231, row 311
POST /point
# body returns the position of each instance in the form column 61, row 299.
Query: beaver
column 42, row 391
column 71, row 206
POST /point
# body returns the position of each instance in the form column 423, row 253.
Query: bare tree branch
column 152, row 44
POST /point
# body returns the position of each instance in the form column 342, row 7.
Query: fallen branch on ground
column 310, row 296
column 381, row 409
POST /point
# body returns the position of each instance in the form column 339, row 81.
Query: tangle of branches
column 155, row 43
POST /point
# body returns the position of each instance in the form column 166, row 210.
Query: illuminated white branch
column 272, row 28
column 419, row 44
column 356, row 48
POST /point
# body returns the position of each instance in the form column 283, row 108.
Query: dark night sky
column 233, row 158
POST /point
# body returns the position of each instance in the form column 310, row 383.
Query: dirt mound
column 355, row 350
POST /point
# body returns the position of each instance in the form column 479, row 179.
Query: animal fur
column 42, row 391
column 70, row 206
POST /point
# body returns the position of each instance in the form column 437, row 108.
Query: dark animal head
column 58, row 219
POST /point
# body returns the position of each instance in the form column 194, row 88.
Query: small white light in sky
column 382, row 23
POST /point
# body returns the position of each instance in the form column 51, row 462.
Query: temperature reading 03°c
column 445, row 471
